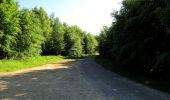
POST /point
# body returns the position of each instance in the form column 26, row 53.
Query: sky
column 89, row 15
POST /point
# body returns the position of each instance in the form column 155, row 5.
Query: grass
column 14, row 65
column 134, row 75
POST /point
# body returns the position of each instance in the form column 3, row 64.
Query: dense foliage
column 90, row 44
column 139, row 38
column 29, row 40
column 27, row 33
column 55, row 42
column 9, row 27
column 73, row 42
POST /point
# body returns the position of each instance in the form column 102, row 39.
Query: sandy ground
column 73, row 80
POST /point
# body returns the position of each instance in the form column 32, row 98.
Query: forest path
column 73, row 80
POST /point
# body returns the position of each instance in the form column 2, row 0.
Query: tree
column 9, row 27
column 28, row 33
column 139, row 38
column 73, row 43
column 76, row 49
column 90, row 44
column 103, row 41
column 44, row 23
column 55, row 43
column 29, row 40
column 44, row 20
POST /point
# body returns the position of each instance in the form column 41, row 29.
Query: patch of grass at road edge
column 14, row 65
column 134, row 75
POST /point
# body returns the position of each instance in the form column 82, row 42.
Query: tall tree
column 44, row 20
column 139, row 38
column 29, row 40
column 73, row 43
column 90, row 44
column 9, row 27
column 55, row 43
column 44, row 23
column 103, row 41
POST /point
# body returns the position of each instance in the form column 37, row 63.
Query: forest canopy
column 26, row 33
column 139, row 38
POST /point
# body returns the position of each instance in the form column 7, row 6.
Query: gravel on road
column 73, row 80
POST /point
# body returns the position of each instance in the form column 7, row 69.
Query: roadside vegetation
column 137, row 76
column 139, row 40
column 28, row 34
column 14, row 65
column 137, row 43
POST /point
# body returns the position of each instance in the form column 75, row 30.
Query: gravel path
column 80, row 80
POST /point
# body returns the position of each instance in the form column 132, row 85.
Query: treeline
column 25, row 33
column 139, row 38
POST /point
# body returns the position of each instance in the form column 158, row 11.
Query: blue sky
column 90, row 15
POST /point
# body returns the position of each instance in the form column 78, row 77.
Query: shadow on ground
column 36, row 84
column 80, row 80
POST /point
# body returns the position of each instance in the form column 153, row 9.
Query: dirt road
column 80, row 80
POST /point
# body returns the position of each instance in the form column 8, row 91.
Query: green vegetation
column 13, row 65
column 90, row 44
column 137, row 76
column 26, row 34
column 139, row 38
column 137, row 43
column 29, row 40
column 9, row 27
column 55, row 42
column 29, row 33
